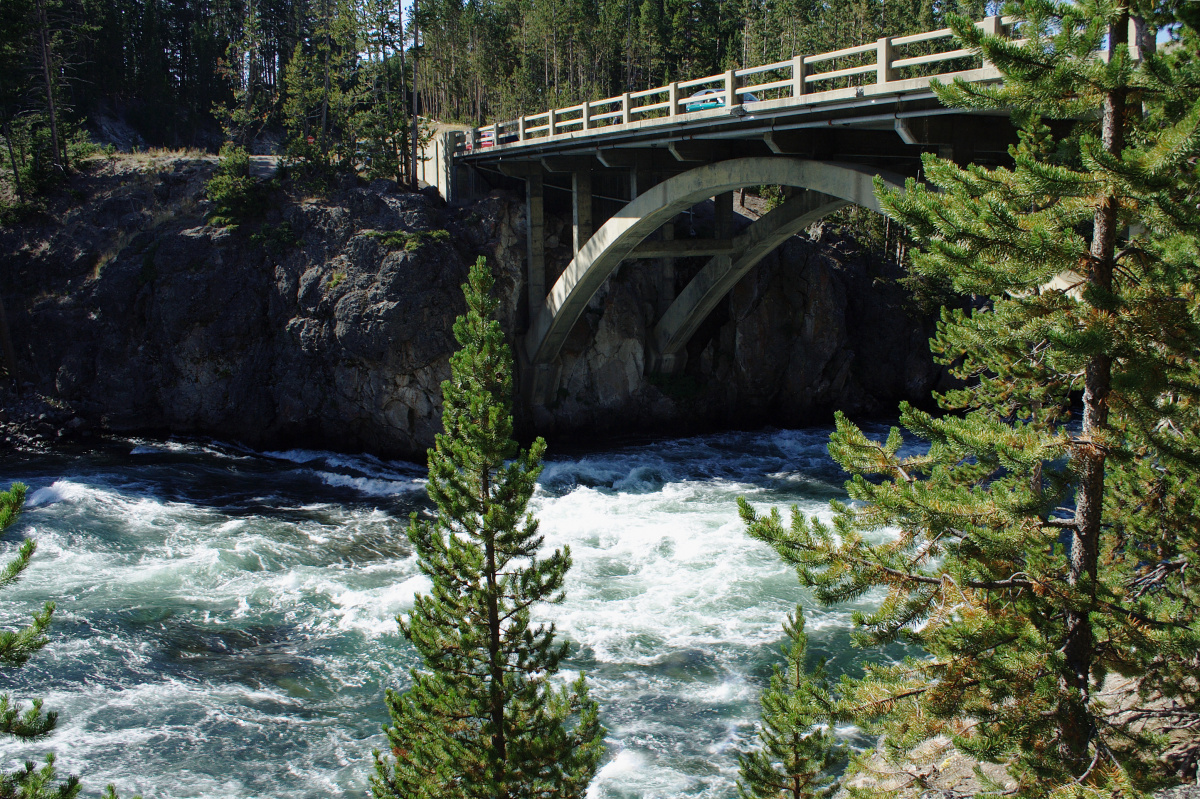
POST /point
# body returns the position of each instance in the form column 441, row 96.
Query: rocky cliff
column 310, row 327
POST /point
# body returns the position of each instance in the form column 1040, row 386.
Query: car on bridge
column 712, row 98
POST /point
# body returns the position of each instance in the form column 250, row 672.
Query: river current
column 225, row 623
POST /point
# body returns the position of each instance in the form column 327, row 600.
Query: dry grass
column 155, row 159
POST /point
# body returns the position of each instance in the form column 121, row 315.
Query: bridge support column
column 640, row 181
column 543, row 387
column 666, row 273
column 723, row 216
column 581, row 208
column 535, row 232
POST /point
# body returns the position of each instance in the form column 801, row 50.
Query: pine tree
column 1041, row 549
column 798, row 754
column 320, row 94
column 482, row 718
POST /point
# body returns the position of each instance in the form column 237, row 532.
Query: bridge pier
column 723, row 216
column 581, row 209
column 535, row 241
column 666, row 271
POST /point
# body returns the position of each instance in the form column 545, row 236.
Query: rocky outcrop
column 309, row 328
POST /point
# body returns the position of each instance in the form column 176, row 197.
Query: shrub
column 405, row 240
column 236, row 197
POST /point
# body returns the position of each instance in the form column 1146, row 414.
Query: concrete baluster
column 553, row 122
column 991, row 27
column 521, row 128
column 883, row 61
column 625, row 108
column 673, row 97
column 1141, row 39
column 585, row 115
column 798, row 73
column 731, row 86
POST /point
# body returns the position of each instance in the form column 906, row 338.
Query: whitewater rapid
column 226, row 619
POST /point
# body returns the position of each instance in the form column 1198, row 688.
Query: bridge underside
column 618, row 239
column 622, row 196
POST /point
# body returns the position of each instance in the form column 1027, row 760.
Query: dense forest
column 330, row 80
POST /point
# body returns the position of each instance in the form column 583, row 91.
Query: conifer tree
column 319, row 94
column 1048, row 537
column 798, row 753
column 482, row 718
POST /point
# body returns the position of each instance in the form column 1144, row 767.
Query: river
column 226, row 618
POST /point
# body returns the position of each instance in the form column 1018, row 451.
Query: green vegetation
column 41, row 141
column 773, row 196
column 482, row 718
column 336, row 77
column 799, row 755
column 405, row 240
column 1042, row 549
column 236, row 196
column 276, row 239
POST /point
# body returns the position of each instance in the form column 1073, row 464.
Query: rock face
column 309, row 329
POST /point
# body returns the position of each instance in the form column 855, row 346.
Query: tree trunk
column 495, row 667
column 412, row 174
column 44, row 42
column 325, row 100
column 12, row 158
column 1079, row 649
column 402, row 176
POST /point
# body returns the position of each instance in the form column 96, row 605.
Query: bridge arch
column 613, row 242
column 722, row 273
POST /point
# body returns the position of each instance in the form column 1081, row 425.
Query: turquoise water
column 226, row 619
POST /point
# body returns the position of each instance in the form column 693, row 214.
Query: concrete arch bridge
column 822, row 125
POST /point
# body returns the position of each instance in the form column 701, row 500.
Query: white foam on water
column 373, row 611
column 667, row 564
column 58, row 491
column 372, row 486
column 367, row 464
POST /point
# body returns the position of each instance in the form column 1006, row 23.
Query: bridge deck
column 805, row 91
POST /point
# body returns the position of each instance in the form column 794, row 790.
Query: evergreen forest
column 330, row 82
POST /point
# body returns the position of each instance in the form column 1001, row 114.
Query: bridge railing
column 802, row 80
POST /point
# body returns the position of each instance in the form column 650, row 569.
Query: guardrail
column 803, row 80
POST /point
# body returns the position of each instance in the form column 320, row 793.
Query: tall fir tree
column 1047, row 539
column 320, row 89
column 799, row 751
column 482, row 719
